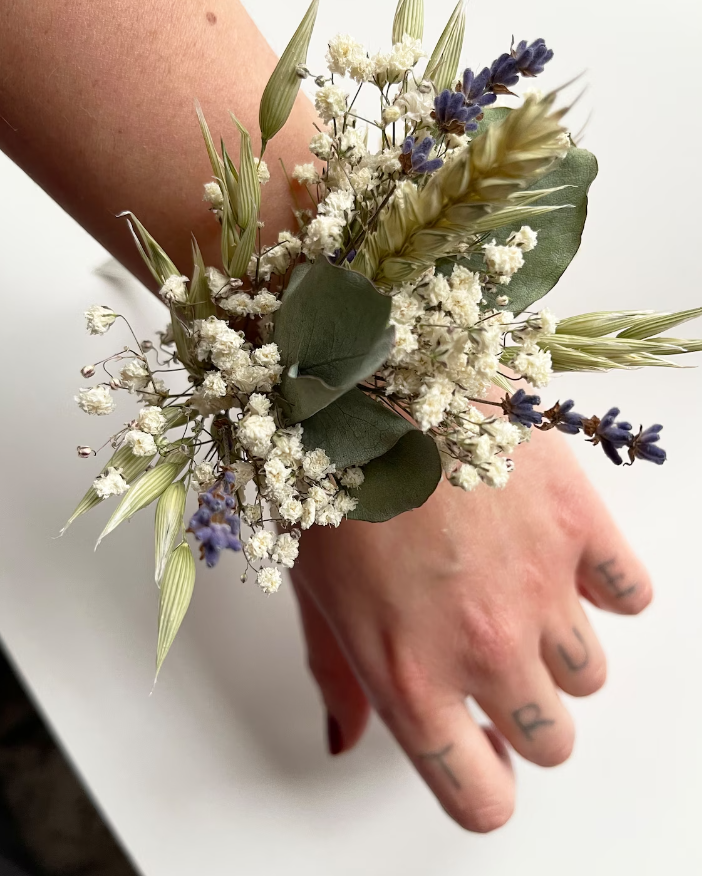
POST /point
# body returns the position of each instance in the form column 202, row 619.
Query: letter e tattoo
column 613, row 580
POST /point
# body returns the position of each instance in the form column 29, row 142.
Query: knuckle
column 490, row 642
column 400, row 680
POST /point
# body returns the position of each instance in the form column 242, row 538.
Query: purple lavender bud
column 644, row 446
column 210, row 555
column 504, row 72
column 531, row 59
column 519, row 408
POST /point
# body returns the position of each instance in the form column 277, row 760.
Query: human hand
column 471, row 595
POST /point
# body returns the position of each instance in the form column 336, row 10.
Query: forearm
column 97, row 105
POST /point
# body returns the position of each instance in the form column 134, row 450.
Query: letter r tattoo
column 529, row 719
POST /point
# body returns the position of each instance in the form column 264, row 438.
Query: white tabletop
column 223, row 770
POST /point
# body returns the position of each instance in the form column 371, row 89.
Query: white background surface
column 224, row 770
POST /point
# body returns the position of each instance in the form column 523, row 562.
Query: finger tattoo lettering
column 575, row 664
column 529, row 719
column 614, row 580
column 440, row 758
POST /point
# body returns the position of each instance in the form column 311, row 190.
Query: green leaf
column 333, row 327
column 215, row 160
column 409, row 19
column 284, row 84
column 142, row 493
column 155, row 257
column 399, row 481
column 169, row 524
column 131, row 466
column 649, row 326
column 249, row 187
column 243, row 252
column 354, row 429
column 560, row 232
column 200, row 296
column 442, row 68
column 177, row 588
column 401, row 465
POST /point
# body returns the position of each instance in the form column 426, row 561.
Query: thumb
column 346, row 704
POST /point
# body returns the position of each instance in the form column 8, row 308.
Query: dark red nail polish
column 334, row 735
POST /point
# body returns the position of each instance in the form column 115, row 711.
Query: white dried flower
column 330, row 102
column 255, row 433
column 96, row 400
column 321, row 146
column 536, row 366
column 174, row 290
column 111, row 483
column 269, row 580
column 213, row 386
column 285, row 550
column 264, row 175
column 391, row 114
column 316, row 464
column 277, row 474
column 352, row 477
column 309, row 512
column 213, row 195
column 264, row 303
column 504, row 261
column 99, row 319
column 495, row 472
column 525, row 238
column 323, row 236
column 339, row 204
column 219, row 284
column 203, row 476
column 306, row 174
column 344, row 504
column 466, row 477
column 142, row 443
column 134, row 376
column 291, row 510
column 151, row 420
column 259, row 404
column 259, row 545
column 267, row 355
column 341, row 52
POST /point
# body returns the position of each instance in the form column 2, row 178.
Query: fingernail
column 334, row 735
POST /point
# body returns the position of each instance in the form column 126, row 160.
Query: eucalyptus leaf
column 560, row 232
column 400, row 480
column 168, row 525
column 177, row 587
column 354, row 429
column 332, row 326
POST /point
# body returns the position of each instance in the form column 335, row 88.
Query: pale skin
column 473, row 594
